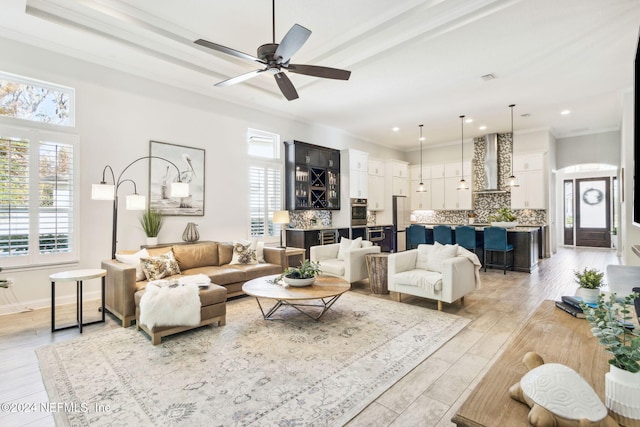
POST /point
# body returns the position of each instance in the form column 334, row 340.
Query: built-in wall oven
column 358, row 212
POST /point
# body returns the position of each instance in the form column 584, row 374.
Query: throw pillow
column 440, row 253
column 260, row 252
column 155, row 268
column 244, row 252
column 346, row 245
column 134, row 259
column 424, row 253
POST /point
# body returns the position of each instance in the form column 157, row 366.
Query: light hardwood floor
column 428, row 396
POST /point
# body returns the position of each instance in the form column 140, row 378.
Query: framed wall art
column 185, row 162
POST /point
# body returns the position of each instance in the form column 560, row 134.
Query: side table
column 77, row 276
column 293, row 256
column 377, row 269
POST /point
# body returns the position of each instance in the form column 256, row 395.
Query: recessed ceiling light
column 422, row 138
column 469, row 120
column 483, row 127
column 395, row 128
column 565, row 112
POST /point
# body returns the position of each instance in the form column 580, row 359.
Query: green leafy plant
column 589, row 278
column 502, row 215
column 607, row 320
column 151, row 222
column 306, row 270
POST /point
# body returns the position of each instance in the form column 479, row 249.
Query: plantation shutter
column 56, row 198
column 264, row 199
column 14, row 197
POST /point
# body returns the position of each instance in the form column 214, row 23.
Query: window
column 37, row 101
column 37, row 203
column 265, row 182
column 38, row 174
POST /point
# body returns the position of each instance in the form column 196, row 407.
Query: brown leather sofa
column 210, row 258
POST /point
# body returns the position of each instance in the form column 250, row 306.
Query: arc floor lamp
column 135, row 201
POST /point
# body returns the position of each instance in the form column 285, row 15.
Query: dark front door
column 593, row 218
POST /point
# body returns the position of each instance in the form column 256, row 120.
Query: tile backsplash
column 308, row 219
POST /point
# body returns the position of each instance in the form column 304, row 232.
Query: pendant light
column 463, row 184
column 512, row 181
column 421, row 187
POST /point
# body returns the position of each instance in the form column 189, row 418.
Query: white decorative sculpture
column 558, row 396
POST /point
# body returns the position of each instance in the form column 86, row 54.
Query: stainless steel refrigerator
column 401, row 216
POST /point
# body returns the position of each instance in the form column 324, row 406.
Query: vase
column 298, row 283
column 589, row 295
column 622, row 396
column 152, row 241
column 190, row 233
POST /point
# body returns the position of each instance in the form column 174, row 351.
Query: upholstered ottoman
column 213, row 300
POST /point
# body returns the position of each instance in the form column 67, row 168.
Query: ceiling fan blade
column 228, row 50
column 291, row 42
column 240, row 78
column 286, row 87
column 317, row 71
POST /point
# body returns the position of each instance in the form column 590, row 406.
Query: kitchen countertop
column 480, row 227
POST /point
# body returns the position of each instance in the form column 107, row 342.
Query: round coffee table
column 326, row 290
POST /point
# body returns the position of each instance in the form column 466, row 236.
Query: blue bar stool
column 466, row 237
column 495, row 240
column 442, row 234
column 416, row 235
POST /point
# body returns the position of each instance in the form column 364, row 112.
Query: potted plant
column 611, row 323
column 503, row 218
column 151, row 222
column 590, row 282
column 304, row 275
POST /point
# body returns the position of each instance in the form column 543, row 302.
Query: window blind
column 14, row 197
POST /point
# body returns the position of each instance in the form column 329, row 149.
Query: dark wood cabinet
column 312, row 177
column 314, row 237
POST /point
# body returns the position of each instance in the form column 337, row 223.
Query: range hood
column 489, row 166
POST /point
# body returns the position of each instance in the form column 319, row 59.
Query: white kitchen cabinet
column 414, row 173
column 375, row 201
column 376, row 167
column 437, row 194
column 358, row 184
column 437, row 171
column 399, row 186
column 531, row 192
column 358, row 160
column 455, row 170
column 422, row 200
column 455, row 199
column 399, row 169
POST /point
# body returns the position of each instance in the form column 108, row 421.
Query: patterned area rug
column 251, row 372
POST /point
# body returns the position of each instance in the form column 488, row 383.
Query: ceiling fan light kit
column 275, row 58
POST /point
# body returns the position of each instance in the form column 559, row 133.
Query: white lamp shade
column 462, row 185
column 512, row 181
column 103, row 192
column 179, row 189
column 136, row 202
column 281, row 217
column 421, row 188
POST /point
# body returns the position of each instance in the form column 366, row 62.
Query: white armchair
column 352, row 267
column 440, row 272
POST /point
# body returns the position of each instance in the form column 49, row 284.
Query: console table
column 557, row 337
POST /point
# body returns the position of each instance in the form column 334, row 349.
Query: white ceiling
column 412, row 61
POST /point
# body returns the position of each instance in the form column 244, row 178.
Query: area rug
column 251, row 372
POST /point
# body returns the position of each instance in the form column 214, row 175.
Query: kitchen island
column 525, row 241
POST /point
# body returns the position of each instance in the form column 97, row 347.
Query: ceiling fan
column 275, row 58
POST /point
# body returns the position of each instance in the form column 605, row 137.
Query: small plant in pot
column 151, row 222
column 611, row 322
column 590, row 282
column 503, row 218
column 304, row 275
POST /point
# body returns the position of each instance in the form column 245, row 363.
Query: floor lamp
column 281, row 217
column 104, row 191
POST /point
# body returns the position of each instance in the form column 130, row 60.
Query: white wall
column 601, row 147
column 117, row 115
column 630, row 234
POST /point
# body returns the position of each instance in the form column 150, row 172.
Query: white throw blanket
column 163, row 305
column 474, row 259
column 195, row 279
